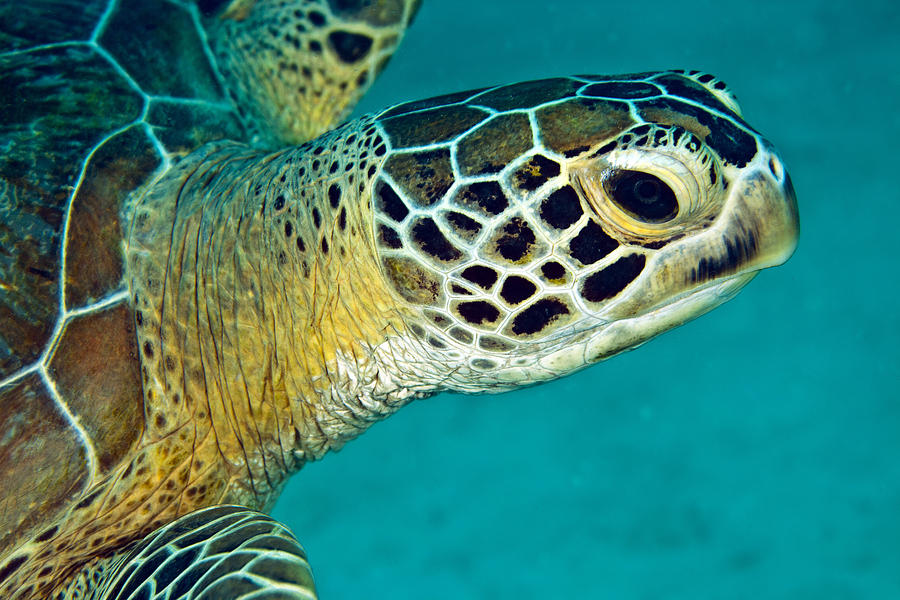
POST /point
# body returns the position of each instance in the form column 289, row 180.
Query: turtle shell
column 97, row 97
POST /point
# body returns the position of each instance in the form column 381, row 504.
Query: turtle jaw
column 628, row 333
column 757, row 228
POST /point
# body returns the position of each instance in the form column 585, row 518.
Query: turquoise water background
column 753, row 453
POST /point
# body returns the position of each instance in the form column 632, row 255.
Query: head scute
column 547, row 202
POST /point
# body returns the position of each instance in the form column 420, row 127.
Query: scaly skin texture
column 284, row 265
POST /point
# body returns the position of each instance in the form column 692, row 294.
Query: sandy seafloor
column 754, row 453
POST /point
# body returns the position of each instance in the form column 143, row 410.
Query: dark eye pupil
column 642, row 195
column 646, row 191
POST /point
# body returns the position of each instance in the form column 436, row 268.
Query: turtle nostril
column 776, row 168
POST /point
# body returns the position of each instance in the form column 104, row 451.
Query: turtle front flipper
column 294, row 69
column 221, row 552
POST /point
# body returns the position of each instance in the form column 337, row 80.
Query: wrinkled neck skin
column 265, row 325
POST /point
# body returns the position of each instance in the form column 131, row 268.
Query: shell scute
column 95, row 367
column 93, row 244
column 156, row 42
column 34, row 435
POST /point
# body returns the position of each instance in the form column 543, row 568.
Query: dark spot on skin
column 279, row 203
column 656, row 244
column 437, row 343
column 324, row 246
column 47, row 534
column 591, row 244
column 148, row 349
column 438, row 318
column 573, row 152
column 316, row 18
column 536, row 170
column 89, row 499
column 658, row 137
column 494, row 344
column 483, row 363
column 460, row 290
column 288, row 229
column 621, row 89
column 428, row 237
column 553, row 271
column 139, row 318
column 342, row 219
column 388, row 237
column 317, row 217
column 516, row 240
column 605, row 149
column 12, row 566
column 315, row 47
column 465, row 226
column 300, row 245
column 517, row 289
column 538, row 316
column 334, row 195
column 608, row 282
column 562, row 208
column 484, row 196
column 462, row 335
column 737, row 251
column 483, row 277
column 160, row 421
column 350, row 47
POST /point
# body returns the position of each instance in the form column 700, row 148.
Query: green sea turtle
column 203, row 286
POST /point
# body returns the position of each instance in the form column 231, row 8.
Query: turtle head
column 540, row 227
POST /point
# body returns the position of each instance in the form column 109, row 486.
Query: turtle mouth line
column 704, row 298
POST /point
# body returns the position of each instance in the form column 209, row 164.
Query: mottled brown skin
column 91, row 462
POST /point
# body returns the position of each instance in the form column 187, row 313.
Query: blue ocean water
column 753, row 453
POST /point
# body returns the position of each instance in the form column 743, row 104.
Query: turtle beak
column 764, row 205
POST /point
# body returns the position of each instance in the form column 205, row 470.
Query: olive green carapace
column 205, row 284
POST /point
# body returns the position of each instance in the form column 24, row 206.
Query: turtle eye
column 643, row 196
